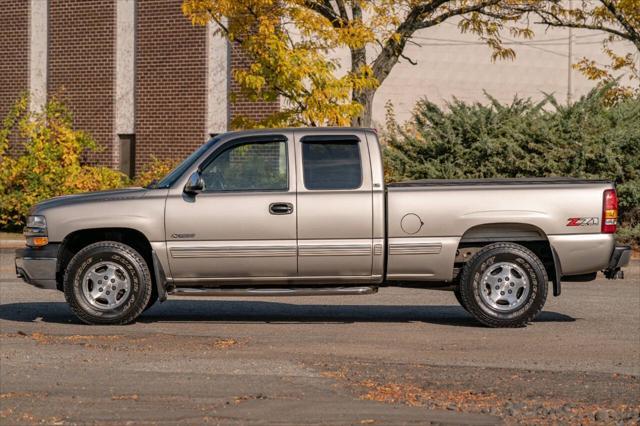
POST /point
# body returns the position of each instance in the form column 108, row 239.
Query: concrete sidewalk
column 10, row 240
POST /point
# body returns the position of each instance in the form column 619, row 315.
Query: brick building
column 136, row 74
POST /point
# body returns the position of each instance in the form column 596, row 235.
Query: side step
column 260, row 292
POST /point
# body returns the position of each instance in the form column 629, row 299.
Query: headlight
column 36, row 231
column 36, row 222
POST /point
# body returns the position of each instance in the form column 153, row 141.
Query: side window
column 332, row 165
column 248, row 167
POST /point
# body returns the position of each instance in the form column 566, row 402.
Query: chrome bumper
column 38, row 266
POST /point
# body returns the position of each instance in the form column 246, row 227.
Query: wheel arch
column 525, row 234
column 75, row 241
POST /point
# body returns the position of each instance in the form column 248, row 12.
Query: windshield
column 175, row 174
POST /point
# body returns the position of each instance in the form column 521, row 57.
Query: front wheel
column 456, row 293
column 107, row 283
column 504, row 285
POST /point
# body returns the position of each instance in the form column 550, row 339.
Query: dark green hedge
column 589, row 139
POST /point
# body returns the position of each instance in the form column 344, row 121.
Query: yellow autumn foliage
column 50, row 162
column 292, row 44
column 154, row 171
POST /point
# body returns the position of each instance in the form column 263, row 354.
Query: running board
column 260, row 292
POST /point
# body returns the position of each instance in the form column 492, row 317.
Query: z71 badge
column 582, row 221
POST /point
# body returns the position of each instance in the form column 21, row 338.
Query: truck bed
column 437, row 215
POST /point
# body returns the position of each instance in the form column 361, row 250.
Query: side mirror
column 194, row 185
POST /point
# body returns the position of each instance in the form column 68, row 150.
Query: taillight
column 609, row 211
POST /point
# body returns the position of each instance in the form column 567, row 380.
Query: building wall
column 14, row 63
column 451, row 64
column 82, row 65
column 170, row 82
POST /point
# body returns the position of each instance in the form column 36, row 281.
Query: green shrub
column 51, row 163
column 588, row 139
column 629, row 235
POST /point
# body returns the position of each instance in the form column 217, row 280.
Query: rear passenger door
column 334, row 199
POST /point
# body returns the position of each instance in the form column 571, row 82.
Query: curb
column 11, row 244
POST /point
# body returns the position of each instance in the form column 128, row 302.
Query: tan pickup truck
column 306, row 212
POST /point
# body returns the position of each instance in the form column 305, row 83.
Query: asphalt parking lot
column 402, row 356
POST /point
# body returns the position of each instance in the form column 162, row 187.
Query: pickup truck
column 284, row 212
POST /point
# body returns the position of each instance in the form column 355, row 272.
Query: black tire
column 475, row 295
column 152, row 301
column 459, row 299
column 127, row 259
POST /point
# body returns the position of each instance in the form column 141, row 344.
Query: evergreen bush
column 590, row 138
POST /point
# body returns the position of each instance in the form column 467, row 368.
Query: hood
column 110, row 195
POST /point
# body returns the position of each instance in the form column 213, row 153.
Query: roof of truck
column 305, row 129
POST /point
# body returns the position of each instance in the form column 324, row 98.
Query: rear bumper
column 619, row 258
column 38, row 266
column 583, row 253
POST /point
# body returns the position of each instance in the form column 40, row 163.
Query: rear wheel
column 107, row 283
column 152, row 301
column 504, row 285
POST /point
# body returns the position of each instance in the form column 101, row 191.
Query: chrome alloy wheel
column 106, row 285
column 504, row 287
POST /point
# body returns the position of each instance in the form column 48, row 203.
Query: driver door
column 242, row 226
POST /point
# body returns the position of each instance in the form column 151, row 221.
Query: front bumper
column 38, row 266
column 619, row 258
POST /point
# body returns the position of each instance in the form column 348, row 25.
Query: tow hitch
column 614, row 274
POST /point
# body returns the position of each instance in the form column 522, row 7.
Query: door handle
column 280, row 208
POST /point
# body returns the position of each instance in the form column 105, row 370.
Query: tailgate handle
column 281, row 208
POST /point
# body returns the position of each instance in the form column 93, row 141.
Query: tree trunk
column 358, row 61
column 363, row 97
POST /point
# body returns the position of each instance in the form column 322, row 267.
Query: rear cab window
column 331, row 163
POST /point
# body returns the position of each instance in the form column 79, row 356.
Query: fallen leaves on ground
column 415, row 395
column 130, row 343
column 225, row 343
column 133, row 397
column 528, row 412
column 10, row 395
column 7, row 395
column 340, row 374
column 240, row 399
column 533, row 411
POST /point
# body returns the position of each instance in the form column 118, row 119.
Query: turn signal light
column 37, row 241
column 609, row 212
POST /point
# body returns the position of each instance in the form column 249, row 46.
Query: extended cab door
column 242, row 226
column 335, row 220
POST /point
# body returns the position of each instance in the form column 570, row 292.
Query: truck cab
column 303, row 206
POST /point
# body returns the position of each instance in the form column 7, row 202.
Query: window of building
column 248, row 167
column 127, row 154
column 332, row 164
